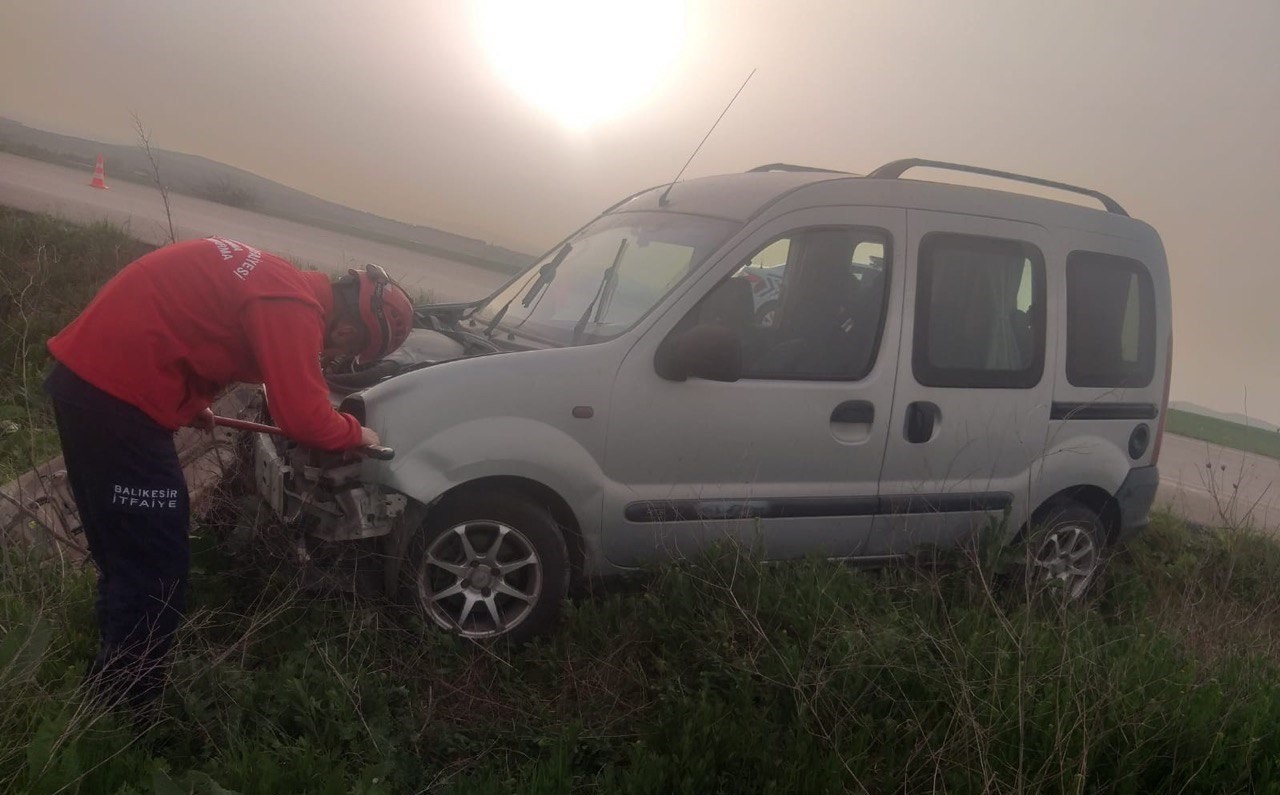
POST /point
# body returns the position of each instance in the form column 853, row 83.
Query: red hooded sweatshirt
column 170, row 331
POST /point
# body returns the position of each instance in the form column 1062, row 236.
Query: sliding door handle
column 862, row 412
column 922, row 420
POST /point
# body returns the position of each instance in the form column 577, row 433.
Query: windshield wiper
column 545, row 274
column 606, row 286
column 497, row 318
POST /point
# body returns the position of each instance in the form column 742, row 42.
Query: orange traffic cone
column 99, row 180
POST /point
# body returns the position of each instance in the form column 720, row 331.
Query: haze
column 398, row 108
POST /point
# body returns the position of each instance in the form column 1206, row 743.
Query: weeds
column 716, row 675
column 144, row 143
column 49, row 269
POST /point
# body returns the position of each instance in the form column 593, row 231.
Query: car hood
column 423, row 348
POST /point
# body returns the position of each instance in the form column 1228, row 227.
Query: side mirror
column 708, row 351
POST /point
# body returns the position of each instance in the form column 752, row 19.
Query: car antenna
column 662, row 200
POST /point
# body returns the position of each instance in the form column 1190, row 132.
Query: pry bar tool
column 372, row 451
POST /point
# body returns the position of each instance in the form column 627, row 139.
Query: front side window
column 979, row 319
column 604, row 279
column 1111, row 330
column 809, row 305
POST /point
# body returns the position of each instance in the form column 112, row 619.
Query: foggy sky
column 1173, row 108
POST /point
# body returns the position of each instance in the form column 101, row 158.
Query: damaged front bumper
column 325, row 490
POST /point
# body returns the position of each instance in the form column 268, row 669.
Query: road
column 1200, row 481
column 43, row 187
column 1214, row 485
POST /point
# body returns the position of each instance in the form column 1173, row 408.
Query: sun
column 582, row 61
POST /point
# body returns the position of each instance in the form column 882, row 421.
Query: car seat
column 816, row 306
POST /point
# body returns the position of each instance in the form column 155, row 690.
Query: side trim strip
column 1103, row 411
column 718, row 510
column 810, row 507
column 946, row 503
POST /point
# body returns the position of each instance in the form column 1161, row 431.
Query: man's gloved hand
column 203, row 421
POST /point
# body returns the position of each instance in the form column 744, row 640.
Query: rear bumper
column 1135, row 497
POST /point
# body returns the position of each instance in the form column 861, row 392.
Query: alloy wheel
column 480, row 579
column 1068, row 555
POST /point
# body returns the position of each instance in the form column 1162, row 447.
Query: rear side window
column 979, row 313
column 1111, row 323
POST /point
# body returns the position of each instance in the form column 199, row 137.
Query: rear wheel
column 1066, row 548
column 489, row 565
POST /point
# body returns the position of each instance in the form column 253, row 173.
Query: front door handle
column 861, row 412
column 922, row 418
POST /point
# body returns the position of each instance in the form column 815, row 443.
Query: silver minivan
column 935, row 358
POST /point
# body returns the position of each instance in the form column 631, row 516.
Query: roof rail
column 790, row 167
column 894, row 170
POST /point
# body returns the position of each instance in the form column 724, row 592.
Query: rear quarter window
column 1111, row 323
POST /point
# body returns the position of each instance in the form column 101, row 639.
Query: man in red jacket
column 147, row 357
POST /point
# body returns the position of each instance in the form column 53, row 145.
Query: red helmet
column 386, row 311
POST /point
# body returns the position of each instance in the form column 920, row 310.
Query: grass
column 49, row 269
column 718, row 675
column 1224, row 433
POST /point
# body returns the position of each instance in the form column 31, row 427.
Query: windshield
column 604, row 279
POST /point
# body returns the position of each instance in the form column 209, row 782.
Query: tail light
column 1164, row 404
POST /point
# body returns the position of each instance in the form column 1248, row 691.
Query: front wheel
column 489, row 565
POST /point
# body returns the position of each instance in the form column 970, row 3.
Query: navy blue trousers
column 128, row 485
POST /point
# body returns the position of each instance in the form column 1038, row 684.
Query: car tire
column 488, row 565
column 1066, row 548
